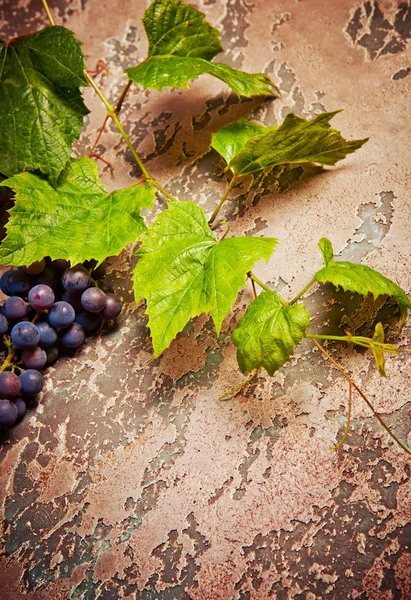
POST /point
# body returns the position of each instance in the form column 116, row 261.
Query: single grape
column 48, row 335
column 36, row 267
column 46, row 277
column 21, row 406
column 89, row 321
column 34, row 358
column 19, row 283
column 25, row 335
column 52, row 354
column 9, row 385
column 94, row 300
column 4, row 282
column 76, row 279
column 15, row 308
column 4, row 325
column 8, row 413
column 61, row 314
column 73, row 337
column 41, row 297
column 112, row 308
column 73, row 298
column 32, row 382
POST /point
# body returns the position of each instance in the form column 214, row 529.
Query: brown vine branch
column 363, row 396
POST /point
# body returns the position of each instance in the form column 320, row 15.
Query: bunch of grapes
column 51, row 306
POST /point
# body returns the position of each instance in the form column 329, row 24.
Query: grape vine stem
column 223, row 199
column 265, row 287
column 363, row 396
column 112, row 114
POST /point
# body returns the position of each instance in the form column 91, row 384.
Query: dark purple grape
column 19, row 283
column 15, row 308
column 48, row 335
column 4, row 325
column 21, row 406
column 34, row 358
column 41, row 297
column 36, row 267
column 61, row 314
column 32, row 382
column 25, row 335
column 52, row 354
column 76, row 279
column 112, row 308
column 46, row 277
column 73, row 298
column 8, row 413
column 88, row 321
column 73, row 337
column 9, row 385
column 4, row 282
column 94, row 300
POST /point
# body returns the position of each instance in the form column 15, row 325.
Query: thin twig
column 223, row 199
column 235, row 391
column 363, row 396
column 347, row 425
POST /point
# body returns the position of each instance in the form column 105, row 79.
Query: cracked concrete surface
column 130, row 479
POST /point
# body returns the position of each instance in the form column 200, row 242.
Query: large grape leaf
column 77, row 220
column 183, row 271
column 266, row 335
column 358, row 278
column 41, row 107
column 295, row 141
column 182, row 45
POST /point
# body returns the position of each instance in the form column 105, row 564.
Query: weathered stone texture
column 131, row 479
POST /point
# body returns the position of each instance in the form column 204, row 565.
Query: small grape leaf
column 183, row 271
column 77, row 220
column 359, row 278
column 229, row 140
column 268, row 332
column 41, row 107
column 295, row 141
column 182, row 45
column 326, row 250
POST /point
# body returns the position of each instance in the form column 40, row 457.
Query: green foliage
column 183, row 271
column 295, row 141
column 266, row 335
column 41, row 107
column 229, row 140
column 77, row 220
column 326, row 250
column 181, row 47
column 359, row 278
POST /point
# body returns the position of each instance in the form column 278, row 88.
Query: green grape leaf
column 182, row 45
column 326, row 249
column 184, row 271
column 229, row 140
column 359, row 278
column 41, row 107
column 268, row 332
column 77, row 220
column 295, row 141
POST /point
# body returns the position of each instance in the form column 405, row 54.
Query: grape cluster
column 50, row 306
